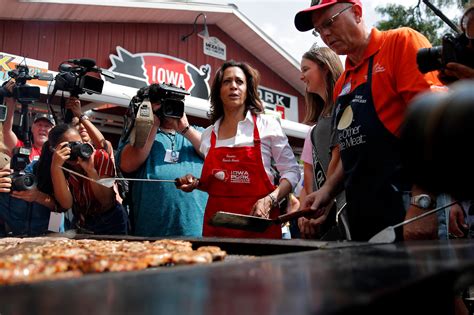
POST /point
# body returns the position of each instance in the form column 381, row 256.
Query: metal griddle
column 297, row 277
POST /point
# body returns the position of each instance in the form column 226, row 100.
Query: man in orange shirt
column 372, row 95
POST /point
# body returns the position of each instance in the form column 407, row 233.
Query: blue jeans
column 110, row 222
column 23, row 218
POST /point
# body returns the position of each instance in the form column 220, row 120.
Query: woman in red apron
column 239, row 147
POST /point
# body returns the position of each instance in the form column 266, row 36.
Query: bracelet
column 273, row 199
column 83, row 117
column 184, row 130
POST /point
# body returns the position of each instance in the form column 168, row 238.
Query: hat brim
column 45, row 119
column 303, row 19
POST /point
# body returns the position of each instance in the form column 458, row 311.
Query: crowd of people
column 354, row 179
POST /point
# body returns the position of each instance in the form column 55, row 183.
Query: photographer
column 94, row 206
column 40, row 128
column 26, row 210
column 89, row 132
column 170, row 150
column 457, row 70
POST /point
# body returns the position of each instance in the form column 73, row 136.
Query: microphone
column 84, row 62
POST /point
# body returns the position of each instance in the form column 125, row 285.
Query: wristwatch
column 423, row 201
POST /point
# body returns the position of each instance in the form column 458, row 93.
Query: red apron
column 235, row 179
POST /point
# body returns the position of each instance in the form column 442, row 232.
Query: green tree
column 419, row 17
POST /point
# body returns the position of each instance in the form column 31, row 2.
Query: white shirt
column 274, row 144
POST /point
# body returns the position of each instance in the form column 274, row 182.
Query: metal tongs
column 109, row 182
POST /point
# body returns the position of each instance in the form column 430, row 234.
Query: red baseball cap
column 303, row 20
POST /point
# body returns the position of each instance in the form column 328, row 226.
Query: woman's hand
column 74, row 104
column 262, row 207
column 187, row 183
column 61, row 154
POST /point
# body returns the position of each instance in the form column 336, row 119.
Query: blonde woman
column 320, row 69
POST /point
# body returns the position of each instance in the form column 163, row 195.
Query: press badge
column 171, row 156
column 56, row 222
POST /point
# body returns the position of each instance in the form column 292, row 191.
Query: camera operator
column 457, row 70
column 40, row 128
column 26, row 211
column 171, row 149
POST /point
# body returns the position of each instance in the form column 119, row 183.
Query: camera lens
column 172, row 108
column 429, row 59
column 82, row 150
column 28, row 181
column 22, row 182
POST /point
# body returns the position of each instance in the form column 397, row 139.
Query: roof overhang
column 226, row 16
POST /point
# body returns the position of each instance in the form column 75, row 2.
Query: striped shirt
column 85, row 202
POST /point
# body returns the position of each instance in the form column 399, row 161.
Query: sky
column 276, row 19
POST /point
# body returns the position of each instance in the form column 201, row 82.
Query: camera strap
column 50, row 107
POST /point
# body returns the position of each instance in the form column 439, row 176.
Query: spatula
column 387, row 235
column 251, row 223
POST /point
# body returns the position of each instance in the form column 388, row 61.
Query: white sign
column 212, row 46
column 280, row 102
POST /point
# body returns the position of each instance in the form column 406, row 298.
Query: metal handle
column 425, row 214
column 293, row 215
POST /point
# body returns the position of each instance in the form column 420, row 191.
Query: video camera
column 73, row 78
column 139, row 117
column 23, row 92
column 454, row 48
column 21, row 180
column 170, row 97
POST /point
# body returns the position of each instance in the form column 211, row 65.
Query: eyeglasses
column 328, row 23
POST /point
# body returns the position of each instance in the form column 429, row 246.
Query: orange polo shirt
column 395, row 75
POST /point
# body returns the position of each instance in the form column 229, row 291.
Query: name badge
column 171, row 156
column 56, row 222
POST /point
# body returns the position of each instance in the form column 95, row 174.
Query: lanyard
column 171, row 136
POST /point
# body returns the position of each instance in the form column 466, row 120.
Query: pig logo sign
column 142, row 69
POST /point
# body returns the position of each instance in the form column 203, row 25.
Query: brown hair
column 252, row 102
column 325, row 58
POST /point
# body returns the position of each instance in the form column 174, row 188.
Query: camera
column 170, row 97
column 139, row 117
column 23, row 92
column 73, row 78
column 21, row 180
column 79, row 149
column 453, row 49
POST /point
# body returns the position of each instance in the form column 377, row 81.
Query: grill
column 267, row 277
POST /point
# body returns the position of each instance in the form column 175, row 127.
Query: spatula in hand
column 252, row 223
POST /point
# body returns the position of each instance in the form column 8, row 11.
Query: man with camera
column 381, row 77
column 459, row 71
column 23, row 207
column 40, row 128
column 166, row 149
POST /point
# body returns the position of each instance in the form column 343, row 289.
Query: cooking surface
column 337, row 278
